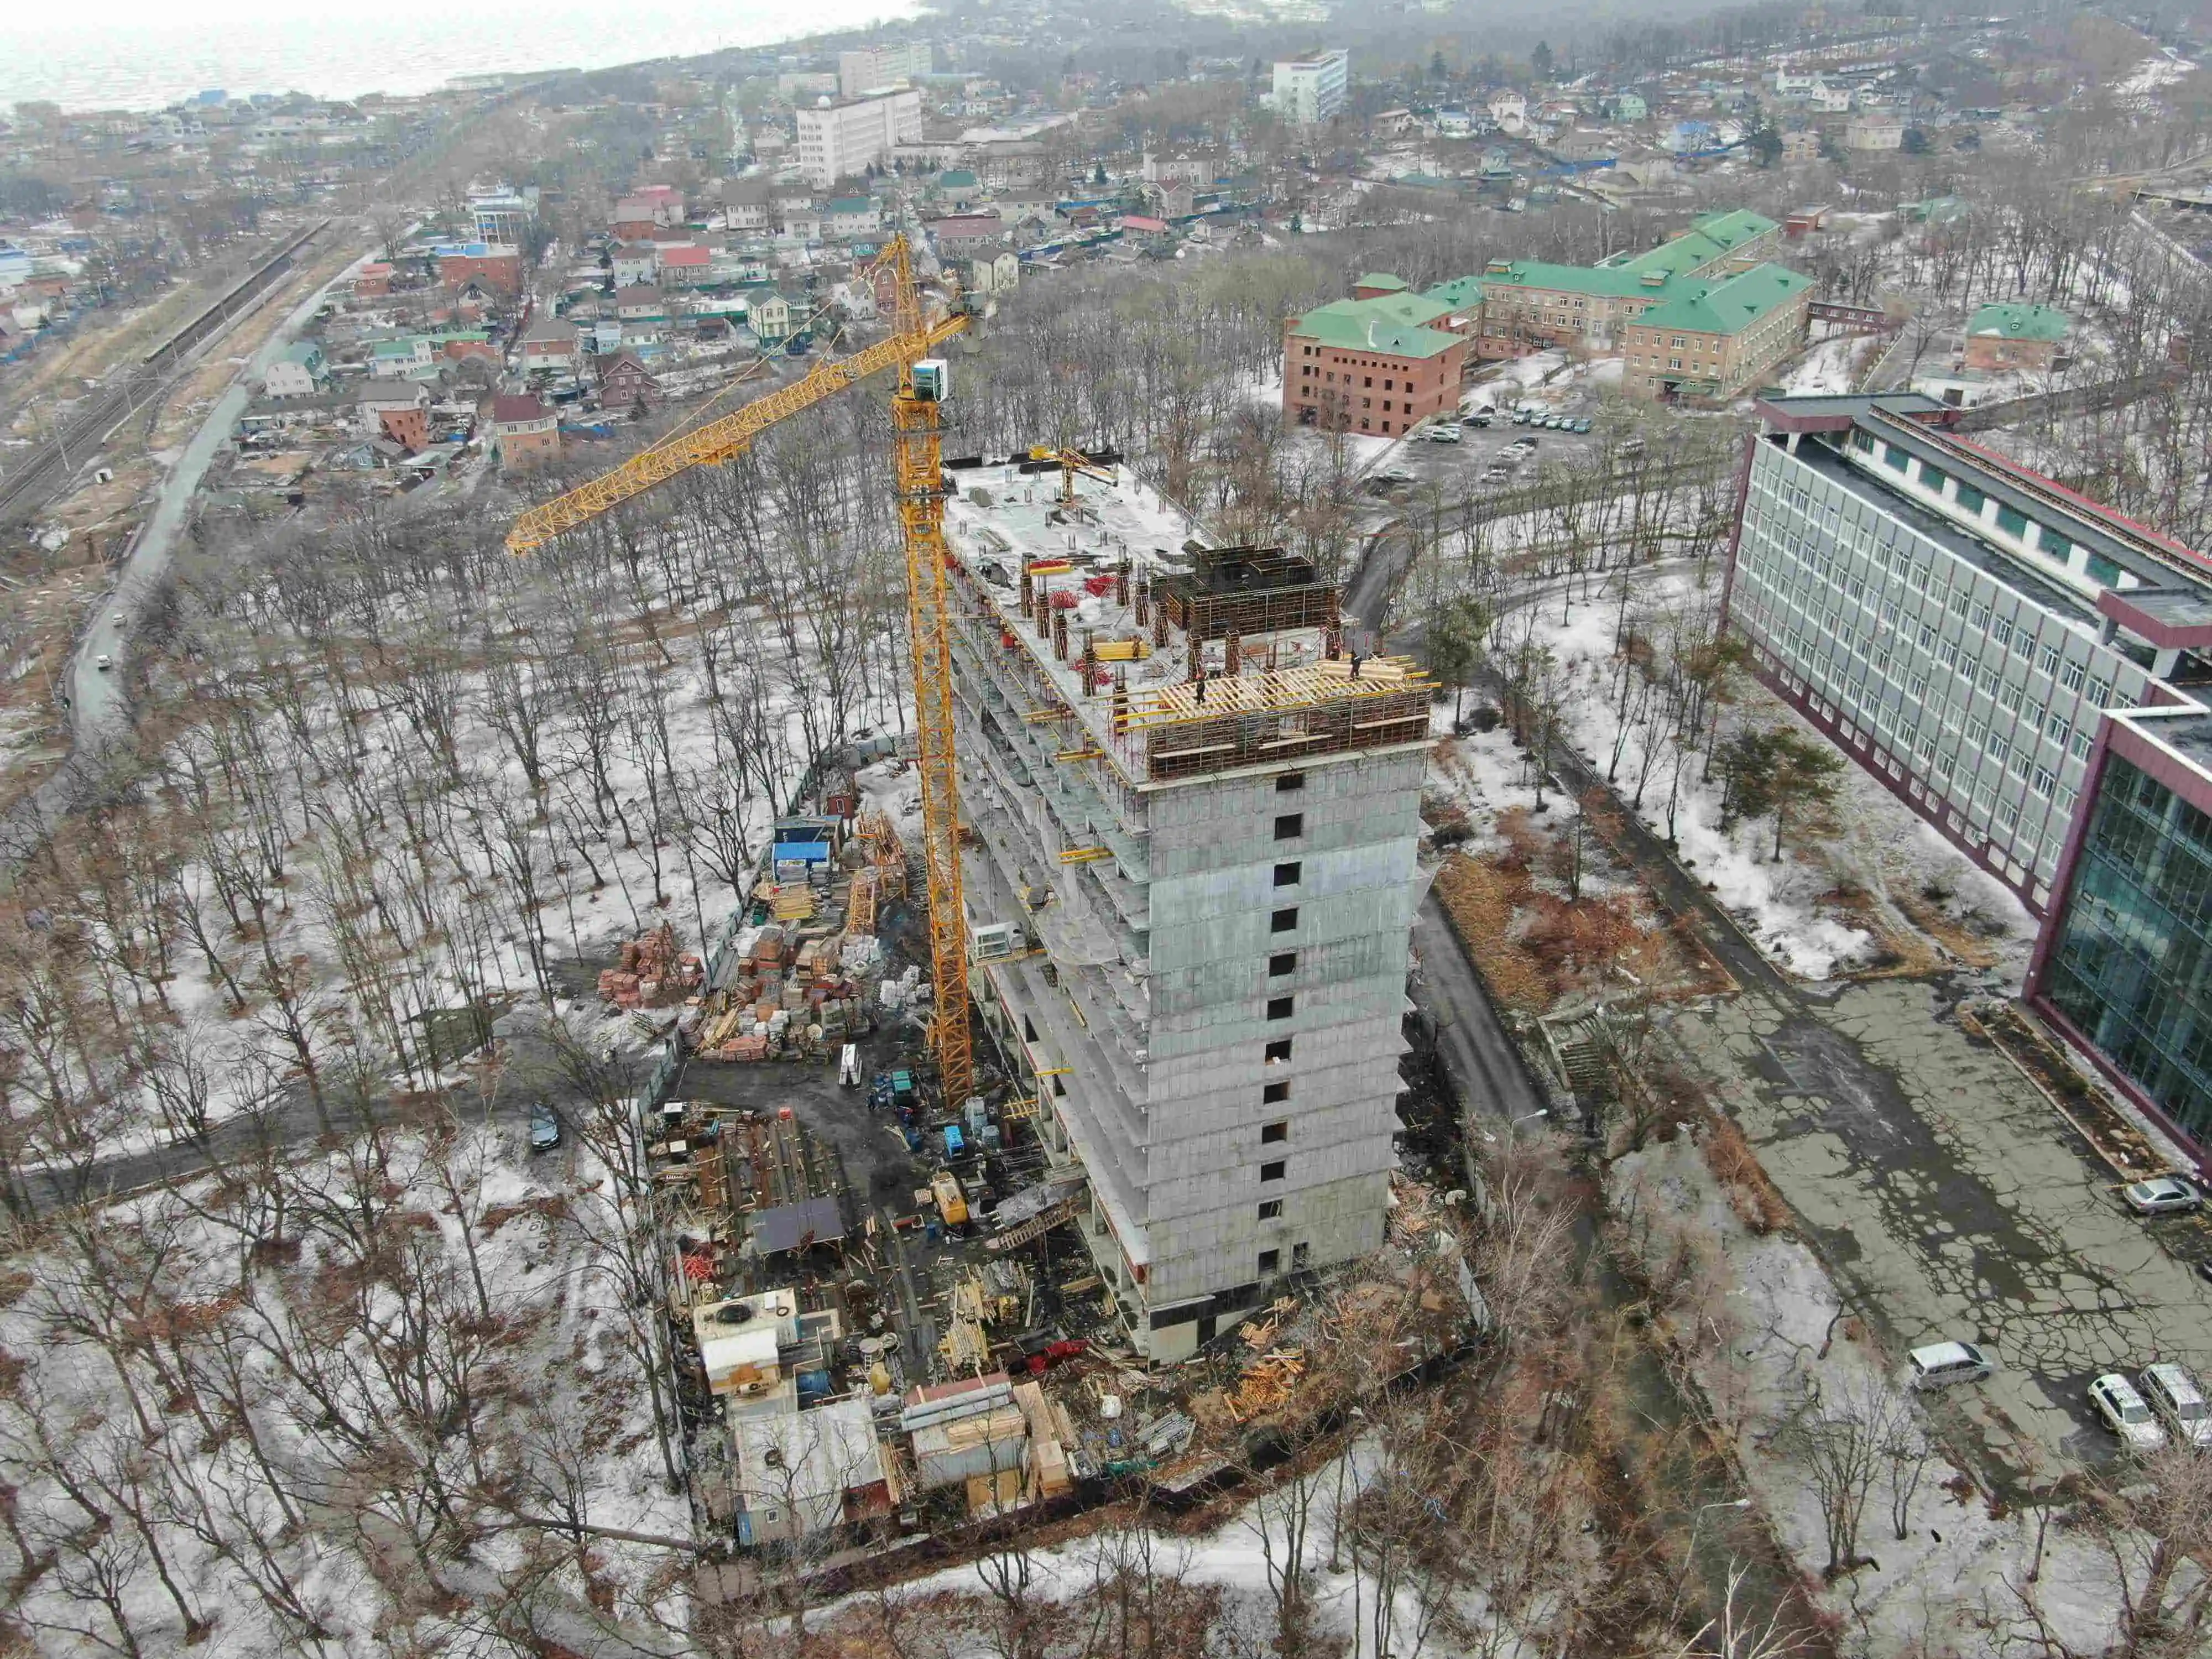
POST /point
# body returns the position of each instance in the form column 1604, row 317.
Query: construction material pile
column 651, row 973
column 791, row 997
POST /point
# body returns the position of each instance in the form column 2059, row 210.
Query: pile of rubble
column 651, row 973
column 792, row 996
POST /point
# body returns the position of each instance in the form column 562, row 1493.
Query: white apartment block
column 1956, row 624
column 1311, row 90
column 838, row 140
column 873, row 68
column 1193, row 840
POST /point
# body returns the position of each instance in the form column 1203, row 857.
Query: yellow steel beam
column 718, row 440
column 1086, row 855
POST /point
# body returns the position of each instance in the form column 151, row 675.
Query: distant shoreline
column 340, row 59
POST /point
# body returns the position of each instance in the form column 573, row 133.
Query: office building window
column 1279, row 1050
column 1969, row 498
column 1283, row 962
column 1274, row 1171
column 1286, row 875
column 1281, row 1007
column 2011, row 522
column 2070, row 675
column 1272, row 1210
column 1289, row 826
column 1284, row 921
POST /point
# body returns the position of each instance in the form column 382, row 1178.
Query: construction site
column 1033, row 1126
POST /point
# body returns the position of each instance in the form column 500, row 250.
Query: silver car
column 1940, row 1364
column 2166, row 1195
column 2172, row 1393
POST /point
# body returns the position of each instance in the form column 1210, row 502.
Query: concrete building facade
column 1311, row 90
column 839, row 140
column 872, row 68
column 1213, row 860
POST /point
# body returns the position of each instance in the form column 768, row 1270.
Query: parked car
column 1444, row 434
column 2166, row 1195
column 1482, row 417
column 545, row 1128
column 103, row 662
column 1582, row 425
column 2124, row 1412
column 1519, row 418
column 1553, row 422
column 1941, row 1364
column 2174, row 1393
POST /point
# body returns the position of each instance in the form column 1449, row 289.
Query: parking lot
column 1475, row 458
column 1952, row 1201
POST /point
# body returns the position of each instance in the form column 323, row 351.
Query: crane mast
column 918, row 428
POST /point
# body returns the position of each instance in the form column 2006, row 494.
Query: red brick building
column 1373, row 365
column 489, row 265
column 408, row 428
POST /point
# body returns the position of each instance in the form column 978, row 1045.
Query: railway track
column 28, row 487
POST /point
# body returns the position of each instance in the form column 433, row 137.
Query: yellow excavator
column 917, row 423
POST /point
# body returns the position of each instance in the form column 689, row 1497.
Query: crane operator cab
column 932, row 380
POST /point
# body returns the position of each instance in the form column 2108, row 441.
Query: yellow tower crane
column 917, row 422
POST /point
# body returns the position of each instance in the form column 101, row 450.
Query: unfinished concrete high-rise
column 1193, row 818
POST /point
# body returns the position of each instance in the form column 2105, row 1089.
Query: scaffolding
column 1243, row 590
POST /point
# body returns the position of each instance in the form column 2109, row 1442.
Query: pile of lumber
column 651, row 973
column 1267, row 1382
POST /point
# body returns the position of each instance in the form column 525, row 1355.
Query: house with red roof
column 523, row 430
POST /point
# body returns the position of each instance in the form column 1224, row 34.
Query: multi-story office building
column 1196, row 819
column 872, row 69
column 2023, row 667
column 841, row 139
column 1311, row 90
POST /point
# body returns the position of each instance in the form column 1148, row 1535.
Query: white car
column 103, row 662
column 2166, row 1195
column 1940, row 1364
column 1444, row 434
column 2114, row 1399
column 2172, row 1393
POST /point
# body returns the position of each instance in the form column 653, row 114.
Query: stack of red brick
column 786, row 989
column 651, row 973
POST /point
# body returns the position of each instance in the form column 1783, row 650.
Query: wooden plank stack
column 651, row 973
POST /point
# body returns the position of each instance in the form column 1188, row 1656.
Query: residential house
column 746, row 205
column 523, row 430
column 2003, row 336
column 626, row 383
column 300, row 372
column 636, row 262
column 768, row 313
column 686, row 265
column 393, row 409
column 1379, row 365
column 853, row 216
column 1801, row 144
column 1628, row 107
column 411, row 357
column 958, row 188
column 372, row 281
column 1709, row 342
column 965, row 235
column 1872, row 131
column 801, row 224
column 553, row 345
column 995, row 276
column 1509, row 110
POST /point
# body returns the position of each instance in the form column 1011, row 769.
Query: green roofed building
column 2005, row 336
column 1514, row 306
column 1376, row 284
column 1379, row 364
column 1708, row 341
